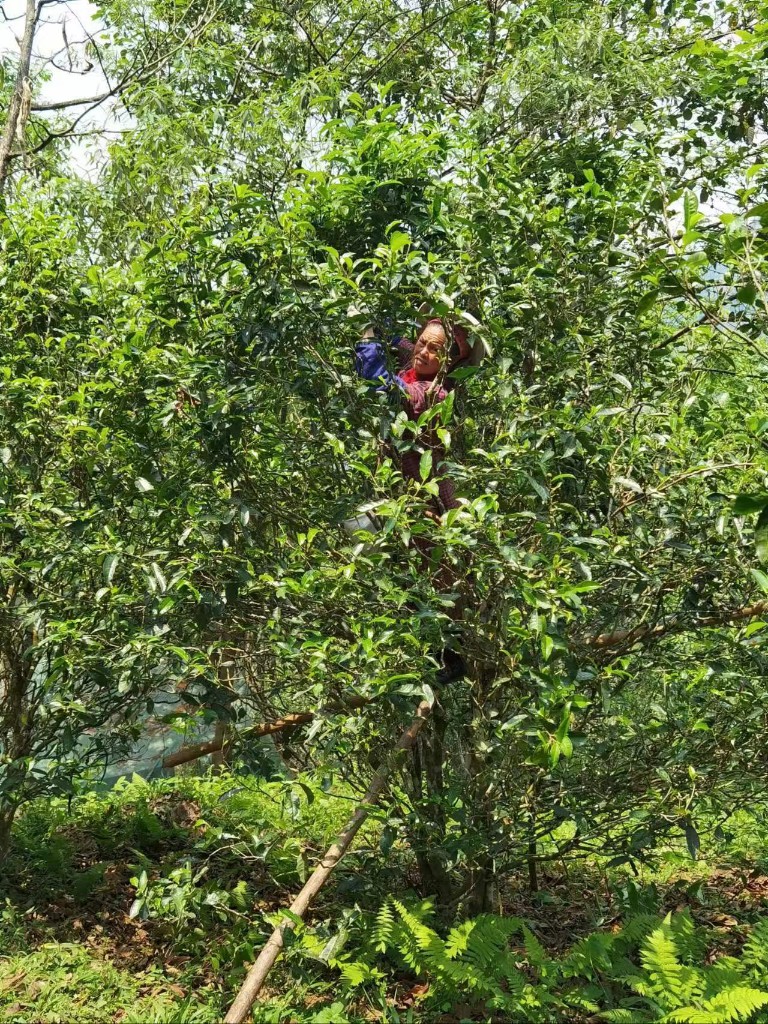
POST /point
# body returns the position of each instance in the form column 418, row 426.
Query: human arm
column 371, row 361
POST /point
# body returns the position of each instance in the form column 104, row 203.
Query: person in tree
column 423, row 380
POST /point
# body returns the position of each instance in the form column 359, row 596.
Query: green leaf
column 388, row 836
column 648, row 301
column 747, row 294
column 761, row 536
column 760, row 578
column 748, row 504
column 398, row 240
column 142, row 484
column 307, row 792
column 690, row 207
column 692, row 840
column 109, row 565
column 425, row 465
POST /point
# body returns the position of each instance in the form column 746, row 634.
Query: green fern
column 482, row 939
column 755, row 954
column 679, row 993
column 624, row 1015
column 537, row 955
column 636, row 929
column 355, row 973
column 594, row 953
column 737, row 1003
column 385, row 927
column 650, row 970
column 688, row 938
column 475, row 958
column 670, row 982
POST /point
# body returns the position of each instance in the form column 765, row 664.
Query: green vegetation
column 185, row 441
column 148, row 903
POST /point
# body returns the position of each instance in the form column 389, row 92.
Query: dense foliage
column 183, row 435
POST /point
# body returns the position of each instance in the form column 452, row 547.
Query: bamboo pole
column 258, row 973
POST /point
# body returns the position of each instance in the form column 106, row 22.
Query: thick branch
column 64, row 104
column 194, row 751
column 676, row 624
column 17, row 115
column 621, row 638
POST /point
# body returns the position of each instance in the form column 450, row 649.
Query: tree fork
column 258, row 973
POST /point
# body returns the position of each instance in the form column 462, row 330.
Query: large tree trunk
column 7, row 814
column 19, row 105
column 16, row 723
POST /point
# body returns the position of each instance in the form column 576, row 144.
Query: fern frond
column 537, row 955
column 240, row 896
column 423, row 950
column 670, row 982
column 755, row 953
column 724, row 973
column 733, row 1004
column 624, row 1016
column 577, row 1001
column 636, row 929
column 688, row 938
column 593, row 952
column 482, row 939
column 384, row 931
column 727, row 1007
column 355, row 973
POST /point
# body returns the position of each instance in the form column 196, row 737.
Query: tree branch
column 194, row 751
column 626, row 638
column 17, row 115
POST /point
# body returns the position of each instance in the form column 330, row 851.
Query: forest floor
column 146, row 904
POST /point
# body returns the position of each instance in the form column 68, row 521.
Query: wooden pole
column 257, row 975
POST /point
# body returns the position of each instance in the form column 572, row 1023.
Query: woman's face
column 429, row 351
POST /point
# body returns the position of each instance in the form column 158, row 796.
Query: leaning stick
column 258, row 973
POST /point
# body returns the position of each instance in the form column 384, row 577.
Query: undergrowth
column 148, row 903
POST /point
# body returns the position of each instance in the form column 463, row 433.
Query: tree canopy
column 183, row 434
